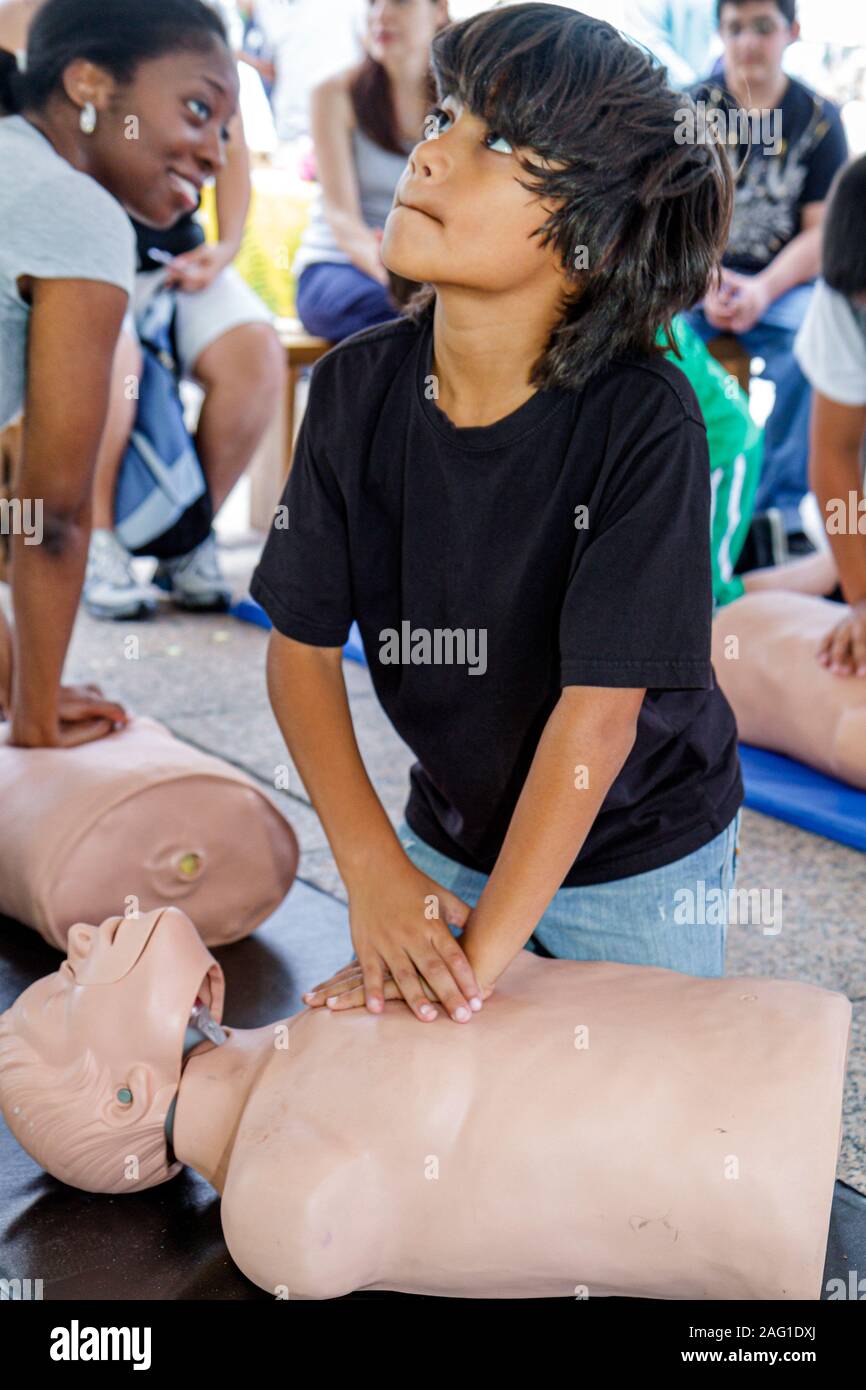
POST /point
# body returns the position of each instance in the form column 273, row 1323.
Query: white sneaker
column 110, row 587
column 195, row 580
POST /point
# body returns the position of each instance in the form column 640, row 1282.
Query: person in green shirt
column 736, row 447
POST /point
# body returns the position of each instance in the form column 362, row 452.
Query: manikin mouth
column 202, row 1033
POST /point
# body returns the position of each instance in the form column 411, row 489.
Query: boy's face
column 755, row 36
column 461, row 218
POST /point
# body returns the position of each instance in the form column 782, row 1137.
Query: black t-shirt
column 420, row 530
column 183, row 235
column 782, row 166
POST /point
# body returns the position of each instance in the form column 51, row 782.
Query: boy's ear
column 795, row 31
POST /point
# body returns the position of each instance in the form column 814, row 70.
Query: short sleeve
column 638, row 606
column 73, row 229
column 303, row 579
column 831, row 348
column 826, row 159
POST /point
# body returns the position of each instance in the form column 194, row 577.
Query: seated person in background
column 225, row 342
column 764, row 658
column 788, row 152
column 736, row 447
column 365, row 122
column 831, row 349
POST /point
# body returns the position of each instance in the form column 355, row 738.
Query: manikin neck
column 214, row 1089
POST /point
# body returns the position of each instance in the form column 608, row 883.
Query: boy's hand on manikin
column 403, row 947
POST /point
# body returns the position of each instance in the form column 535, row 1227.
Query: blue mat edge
column 247, row 610
column 780, row 787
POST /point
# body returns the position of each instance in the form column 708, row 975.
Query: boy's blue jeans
column 633, row 920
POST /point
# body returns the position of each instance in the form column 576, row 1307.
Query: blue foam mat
column 798, row 794
column 251, row 612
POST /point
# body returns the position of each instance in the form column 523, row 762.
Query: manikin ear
column 129, row 1101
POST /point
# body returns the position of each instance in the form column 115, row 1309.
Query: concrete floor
column 204, row 677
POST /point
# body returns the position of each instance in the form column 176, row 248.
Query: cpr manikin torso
column 603, row 1127
column 764, row 656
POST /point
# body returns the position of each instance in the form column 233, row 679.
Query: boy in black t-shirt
column 787, row 143
column 509, row 489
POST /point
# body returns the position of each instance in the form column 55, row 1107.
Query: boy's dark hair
column 844, row 250
column 115, row 34
column 787, row 8
column 647, row 215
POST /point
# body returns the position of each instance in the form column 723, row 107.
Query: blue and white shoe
column 111, row 590
column 195, row 581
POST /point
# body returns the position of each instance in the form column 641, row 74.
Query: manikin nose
column 129, row 936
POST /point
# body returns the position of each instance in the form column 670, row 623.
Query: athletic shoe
column 195, row 581
column 110, row 587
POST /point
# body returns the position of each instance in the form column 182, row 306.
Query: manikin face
column 461, row 218
column 755, row 36
column 124, row 993
column 160, row 137
column 397, row 29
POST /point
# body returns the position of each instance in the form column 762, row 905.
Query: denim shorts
column 652, row 918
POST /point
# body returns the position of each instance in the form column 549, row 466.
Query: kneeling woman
column 66, row 276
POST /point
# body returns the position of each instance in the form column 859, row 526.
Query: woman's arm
column 233, row 189
column 837, row 437
column 331, row 122
column 838, row 433
column 74, row 328
column 583, row 747
column 742, row 300
column 800, row 260
column 5, row 665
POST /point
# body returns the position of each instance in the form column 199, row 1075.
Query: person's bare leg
column 243, row 374
column 118, row 428
column 813, row 574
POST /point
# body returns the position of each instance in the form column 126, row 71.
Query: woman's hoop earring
column 87, row 118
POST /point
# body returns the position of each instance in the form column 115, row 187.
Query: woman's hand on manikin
column 83, row 716
column 404, row 948
column 843, row 650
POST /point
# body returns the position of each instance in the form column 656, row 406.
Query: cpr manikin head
column 91, row 1056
